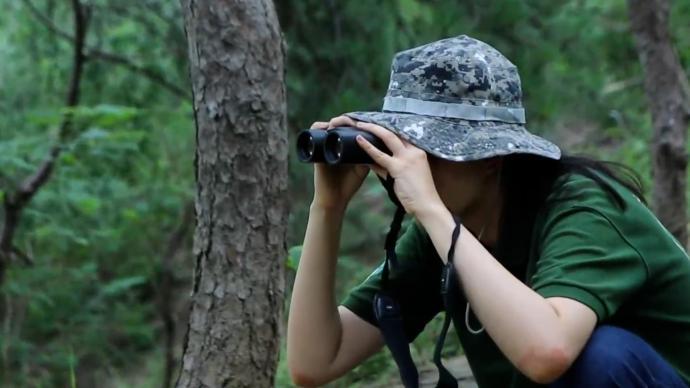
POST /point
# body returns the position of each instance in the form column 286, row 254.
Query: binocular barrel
column 336, row 146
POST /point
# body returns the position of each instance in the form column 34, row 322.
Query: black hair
column 526, row 183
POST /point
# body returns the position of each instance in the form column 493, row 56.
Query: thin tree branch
column 149, row 73
column 6, row 182
column 337, row 20
column 124, row 11
column 15, row 202
column 93, row 53
column 46, row 21
column 7, row 333
column 155, row 7
column 23, row 256
column 154, row 10
column 28, row 188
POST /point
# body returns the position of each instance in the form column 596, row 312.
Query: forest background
column 98, row 288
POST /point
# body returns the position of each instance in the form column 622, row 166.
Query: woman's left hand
column 414, row 184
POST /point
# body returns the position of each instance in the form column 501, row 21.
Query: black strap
column 449, row 291
column 386, row 308
column 391, row 238
column 393, row 231
column 388, row 312
column 390, row 320
column 388, row 184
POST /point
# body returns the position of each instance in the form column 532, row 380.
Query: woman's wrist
column 433, row 212
column 438, row 223
column 330, row 208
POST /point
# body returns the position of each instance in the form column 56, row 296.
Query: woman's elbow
column 307, row 376
column 545, row 364
column 302, row 379
column 307, row 367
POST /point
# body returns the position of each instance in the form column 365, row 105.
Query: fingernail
column 359, row 138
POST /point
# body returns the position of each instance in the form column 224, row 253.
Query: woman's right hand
column 335, row 185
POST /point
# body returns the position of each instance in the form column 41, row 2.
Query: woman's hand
column 414, row 184
column 335, row 185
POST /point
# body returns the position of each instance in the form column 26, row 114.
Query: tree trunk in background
column 668, row 102
column 236, row 57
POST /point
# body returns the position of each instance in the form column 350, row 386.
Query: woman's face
column 464, row 187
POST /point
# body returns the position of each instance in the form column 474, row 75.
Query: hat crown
column 456, row 70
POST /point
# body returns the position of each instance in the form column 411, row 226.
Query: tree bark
column 668, row 102
column 237, row 72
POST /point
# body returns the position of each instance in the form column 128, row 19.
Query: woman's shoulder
column 595, row 190
column 597, row 195
column 610, row 203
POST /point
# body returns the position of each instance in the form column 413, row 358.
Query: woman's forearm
column 525, row 326
column 313, row 324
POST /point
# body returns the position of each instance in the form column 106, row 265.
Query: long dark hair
column 526, row 182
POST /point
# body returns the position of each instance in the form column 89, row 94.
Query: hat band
column 455, row 111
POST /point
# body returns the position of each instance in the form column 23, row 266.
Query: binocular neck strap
column 450, row 289
column 393, row 231
column 388, row 184
column 387, row 309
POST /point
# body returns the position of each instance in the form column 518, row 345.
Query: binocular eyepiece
column 336, row 146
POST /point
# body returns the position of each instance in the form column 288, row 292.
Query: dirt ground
column 458, row 366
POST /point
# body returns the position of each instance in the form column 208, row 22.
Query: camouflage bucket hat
column 458, row 99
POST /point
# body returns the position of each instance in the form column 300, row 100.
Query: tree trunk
column 236, row 56
column 668, row 102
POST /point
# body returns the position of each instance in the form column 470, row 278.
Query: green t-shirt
column 622, row 263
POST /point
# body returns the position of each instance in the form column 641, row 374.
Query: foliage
column 96, row 231
column 86, row 309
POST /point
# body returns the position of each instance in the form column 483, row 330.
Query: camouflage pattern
column 463, row 71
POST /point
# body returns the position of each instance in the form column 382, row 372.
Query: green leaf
column 294, row 254
column 42, row 300
column 44, row 117
column 103, row 115
column 94, row 134
column 68, row 158
column 130, row 214
column 121, row 285
column 89, row 205
column 409, row 9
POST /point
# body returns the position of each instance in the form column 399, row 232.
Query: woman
column 567, row 279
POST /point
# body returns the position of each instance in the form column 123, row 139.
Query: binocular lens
column 310, row 146
column 333, row 149
column 309, row 149
column 335, row 146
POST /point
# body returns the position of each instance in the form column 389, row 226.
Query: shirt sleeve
column 415, row 284
column 586, row 257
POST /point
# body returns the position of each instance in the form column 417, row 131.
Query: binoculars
column 336, row 146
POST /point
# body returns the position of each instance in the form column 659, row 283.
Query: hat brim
column 461, row 140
